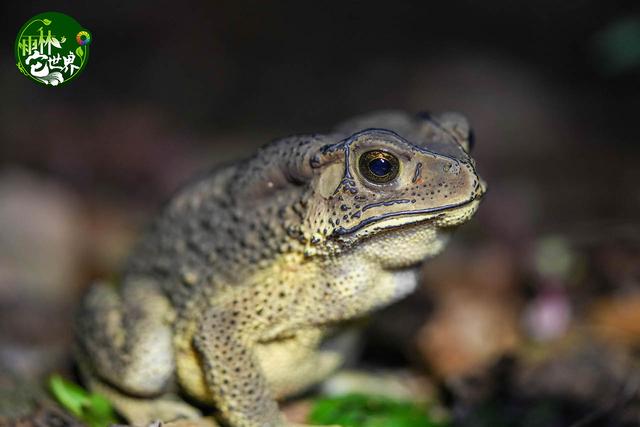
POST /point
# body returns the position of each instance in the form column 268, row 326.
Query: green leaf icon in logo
column 46, row 21
column 79, row 52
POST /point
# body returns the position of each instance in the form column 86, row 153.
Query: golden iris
column 379, row 166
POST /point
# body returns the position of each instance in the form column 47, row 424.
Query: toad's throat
column 341, row 231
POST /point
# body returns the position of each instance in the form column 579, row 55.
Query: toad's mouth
column 392, row 220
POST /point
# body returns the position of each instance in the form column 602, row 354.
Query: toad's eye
column 379, row 166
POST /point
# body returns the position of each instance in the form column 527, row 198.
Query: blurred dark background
column 552, row 90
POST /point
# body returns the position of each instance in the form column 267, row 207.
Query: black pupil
column 380, row 167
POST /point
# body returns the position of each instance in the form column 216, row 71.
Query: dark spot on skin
column 424, row 115
column 471, row 139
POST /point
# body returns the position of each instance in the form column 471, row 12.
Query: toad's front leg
column 237, row 384
column 227, row 342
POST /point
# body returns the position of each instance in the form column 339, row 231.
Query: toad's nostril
column 471, row 139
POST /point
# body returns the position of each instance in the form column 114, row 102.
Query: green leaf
column 46, row 21
column 93, row 409
column 55, row 42
column 355, row 410
column 79, row 51
column 71, row 396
